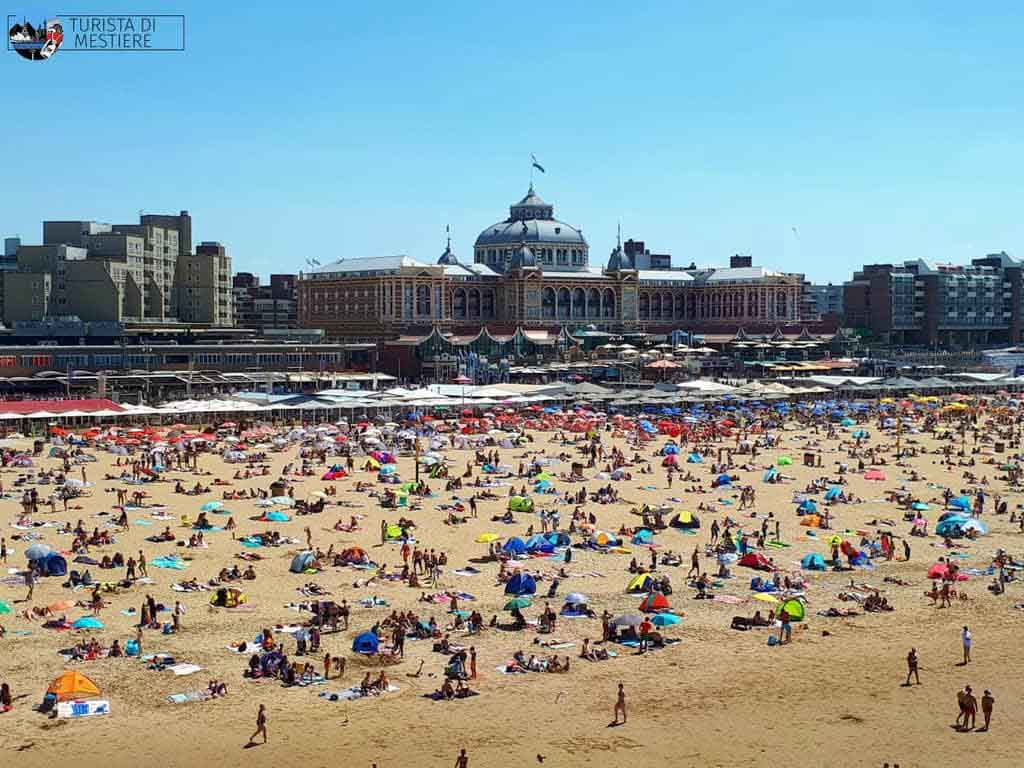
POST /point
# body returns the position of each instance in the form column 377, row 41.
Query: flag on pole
column 537, row 165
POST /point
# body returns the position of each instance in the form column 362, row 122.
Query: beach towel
column 437, row 696
column 354, row 693
column 189, row 696
column 308, row 681
column 185, row 669
column 503, row 670
column 728, row 599
column 172, row 563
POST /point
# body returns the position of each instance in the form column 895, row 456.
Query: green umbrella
column 4, row 607
column 665, row 620
column 518, row 602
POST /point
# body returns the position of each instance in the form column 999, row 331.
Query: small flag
column 537, row 165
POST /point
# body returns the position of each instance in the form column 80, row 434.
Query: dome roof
column 531, row 220
column 532, row 231
column 523, row 257
column 620, row 260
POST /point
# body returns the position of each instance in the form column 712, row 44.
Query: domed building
column 528, row 286
column 532, row 223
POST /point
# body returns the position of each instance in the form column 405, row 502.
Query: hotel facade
column 532, row 273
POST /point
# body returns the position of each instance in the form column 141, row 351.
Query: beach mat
column 354, row 693
column 188, row 697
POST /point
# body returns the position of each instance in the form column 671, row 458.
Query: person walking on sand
column 620, row 706
column 987, row 701
column 30, row 582
column 462, row 761
column 968, row 641
column 261, row 725
column 970, row 708
column 912, row 667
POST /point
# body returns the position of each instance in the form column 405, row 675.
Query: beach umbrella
column 211, row 506
column 765, row 598
column 37, row 552
column 919, row 506
column 518, row 602
column 486, row 538
column 277, row 517
column 285, row 501
column 4, row 607
column 665, row 620
column 87, row 622
column 628, row 620
column 784, row 461
column 576, row 598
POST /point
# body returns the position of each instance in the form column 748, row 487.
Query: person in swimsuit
column 912, row 666
column 620, row 706
column 987, row 701
column 970, row 708
column 261, row 725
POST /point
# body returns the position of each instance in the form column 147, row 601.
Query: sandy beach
column 719, row 697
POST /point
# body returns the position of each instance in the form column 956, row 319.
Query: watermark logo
column 35, row 43
column 97, row 33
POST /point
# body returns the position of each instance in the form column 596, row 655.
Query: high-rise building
column 126, row 273
column 271, row 306
column 918, row 303
column 825, row 299
column 204, row 286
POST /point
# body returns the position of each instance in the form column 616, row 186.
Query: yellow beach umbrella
column 765, row 598
column 486, row 538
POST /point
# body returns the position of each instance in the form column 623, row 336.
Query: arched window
column 703, row 305
column 459, row 304
column 656, row 306
column 751, row 304
column 564, row 301
column 488, row 304
column 579, row 303
column 645, row 307
column 608, row 305
column 780, row 304
column 593, row 303
column 422, row 300
column 474, row 303
column 716, row 305
column 547, row 303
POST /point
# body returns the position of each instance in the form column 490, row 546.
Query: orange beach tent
column 73, row 685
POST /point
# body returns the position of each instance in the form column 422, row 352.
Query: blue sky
column 880, row 131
